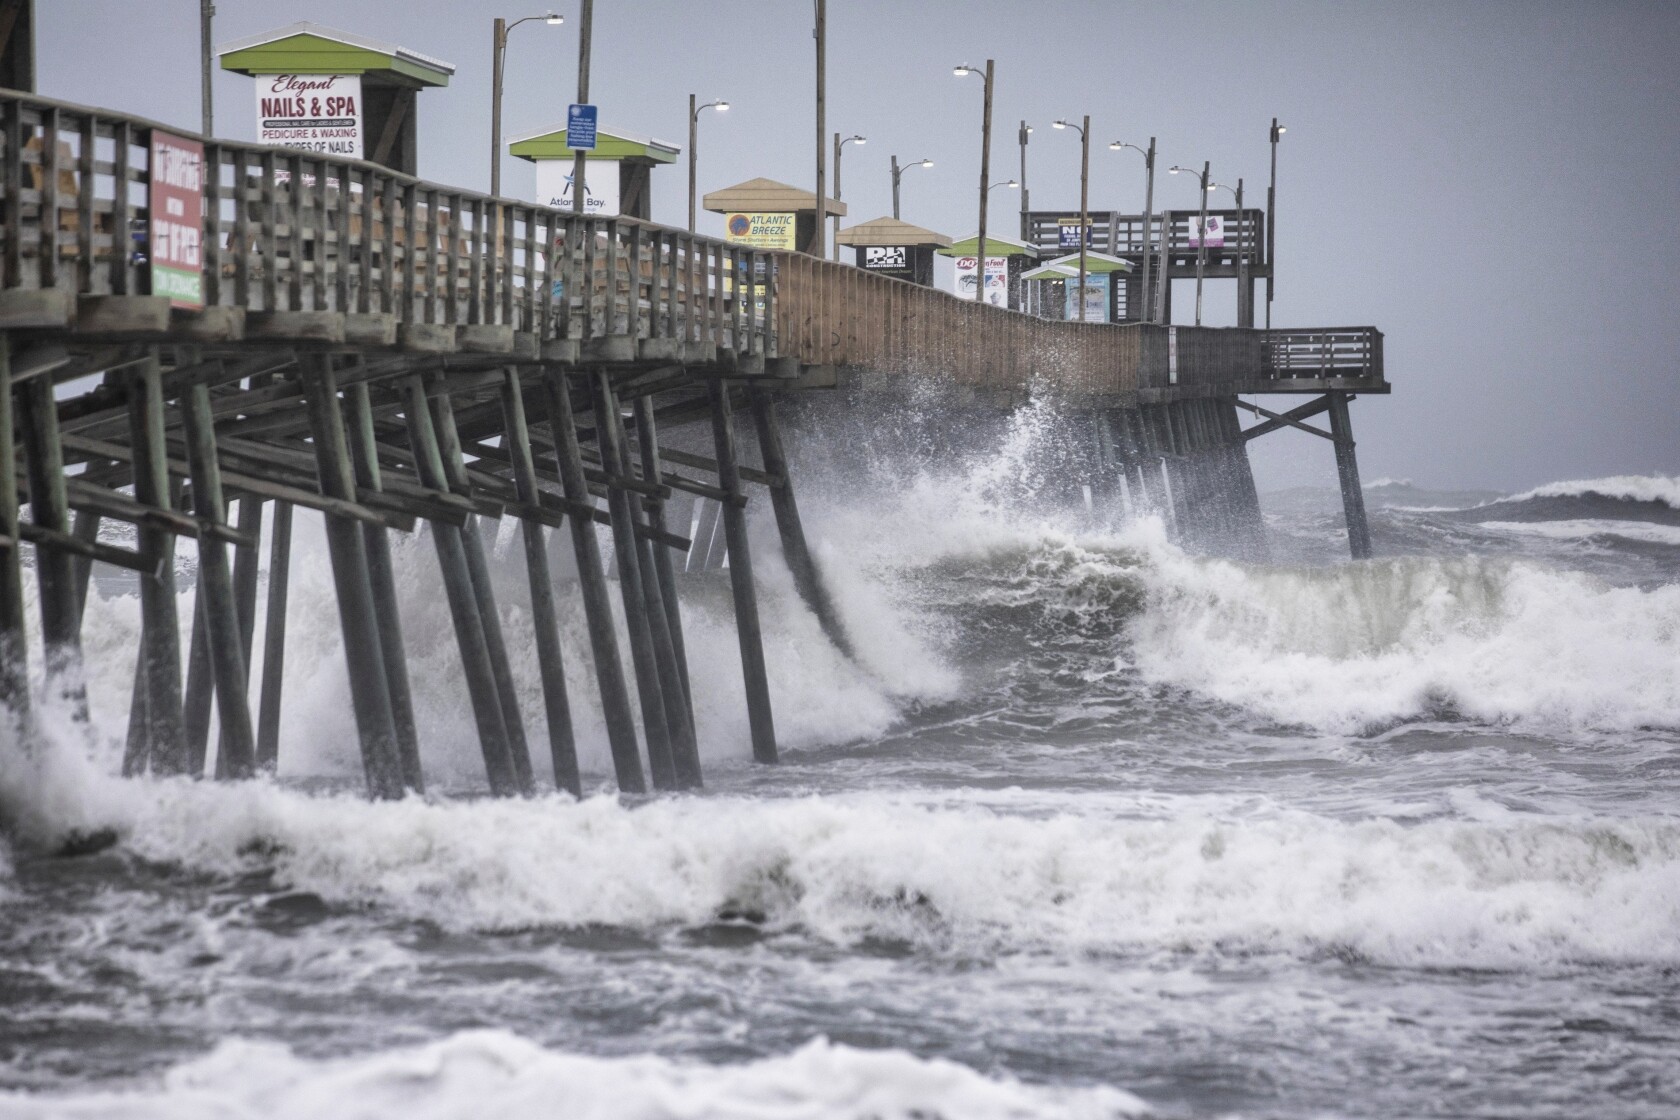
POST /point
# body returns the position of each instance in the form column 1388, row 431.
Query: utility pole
column 1201, row 244
column 498, row 44
column 895, row 185
column 1271, row 221
column 206, row 13
column 1084, row 205
column 1245, row 312
column 837, row 143
column 817, row 247
column 586, row 18
column 1149, row 232
column 1026, row 131
column 985, row 177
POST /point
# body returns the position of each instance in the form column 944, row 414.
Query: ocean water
column 1092, row 827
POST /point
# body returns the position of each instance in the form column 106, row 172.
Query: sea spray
column 1364, row 646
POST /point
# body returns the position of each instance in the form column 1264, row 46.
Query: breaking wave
column 965, row 876
column 1628, row 488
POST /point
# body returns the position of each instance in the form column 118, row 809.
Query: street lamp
column 1271, row 220
column 1201, row 236
column 499, row 36
column 898, row 173
column 838, row 144
column 985, row 164
column 1148, row 218
column 1026, row 131
column 693, row 133
column 1005, row 183
column 1084, row 197
column 1245, row 313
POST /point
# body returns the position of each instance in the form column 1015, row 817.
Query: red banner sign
column 177, row 210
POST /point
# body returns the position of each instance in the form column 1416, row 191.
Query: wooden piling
column 245, row 599
column 86, row 530
column 370, row 695
column 807, row 580
column 227, row 660
column 647, row 439
column 562, row 746
column 1347, row 472
column 14, row 648
column 196, row 695
column 655, row 722
column 664, row 623
column 1247, row 495
column 159, row 741
column 478, row 570
column 463, row 604
column 55, row 576
column 274, row 638
column 382, row 581
column 597, row 609
column 741, row 579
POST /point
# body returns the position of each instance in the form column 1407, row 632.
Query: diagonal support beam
column 1291, row 419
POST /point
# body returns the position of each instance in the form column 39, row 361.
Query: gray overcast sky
column 1493, row 184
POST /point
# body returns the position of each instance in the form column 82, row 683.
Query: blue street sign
column 580, row 128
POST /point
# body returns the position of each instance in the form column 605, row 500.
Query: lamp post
column 586, row 25
column 1148, row 315
column 693, row 135
column 898, row 173
column 1005, row 183
column 498, row 56
column 1026, row 131
column 1271, row 220
column 1245, row 315
column 838, row 144
column 985, row 165
column 1201, row 236
column 1084, row 199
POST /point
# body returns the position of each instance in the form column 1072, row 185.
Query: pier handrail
column 293, row 231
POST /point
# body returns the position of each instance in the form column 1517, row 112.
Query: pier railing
column 291, row 231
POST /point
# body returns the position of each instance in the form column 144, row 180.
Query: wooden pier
column 394, row 353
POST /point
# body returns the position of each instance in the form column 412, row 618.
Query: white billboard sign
column 600, row 186
column 997, row 279
column 313, row 112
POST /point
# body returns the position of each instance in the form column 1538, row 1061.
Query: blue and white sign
column 580, row 128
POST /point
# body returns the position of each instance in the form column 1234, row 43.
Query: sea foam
column 493, row 1073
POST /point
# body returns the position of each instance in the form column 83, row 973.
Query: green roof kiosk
column 333, row 92
column 1006, row 259
column 620, row 171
